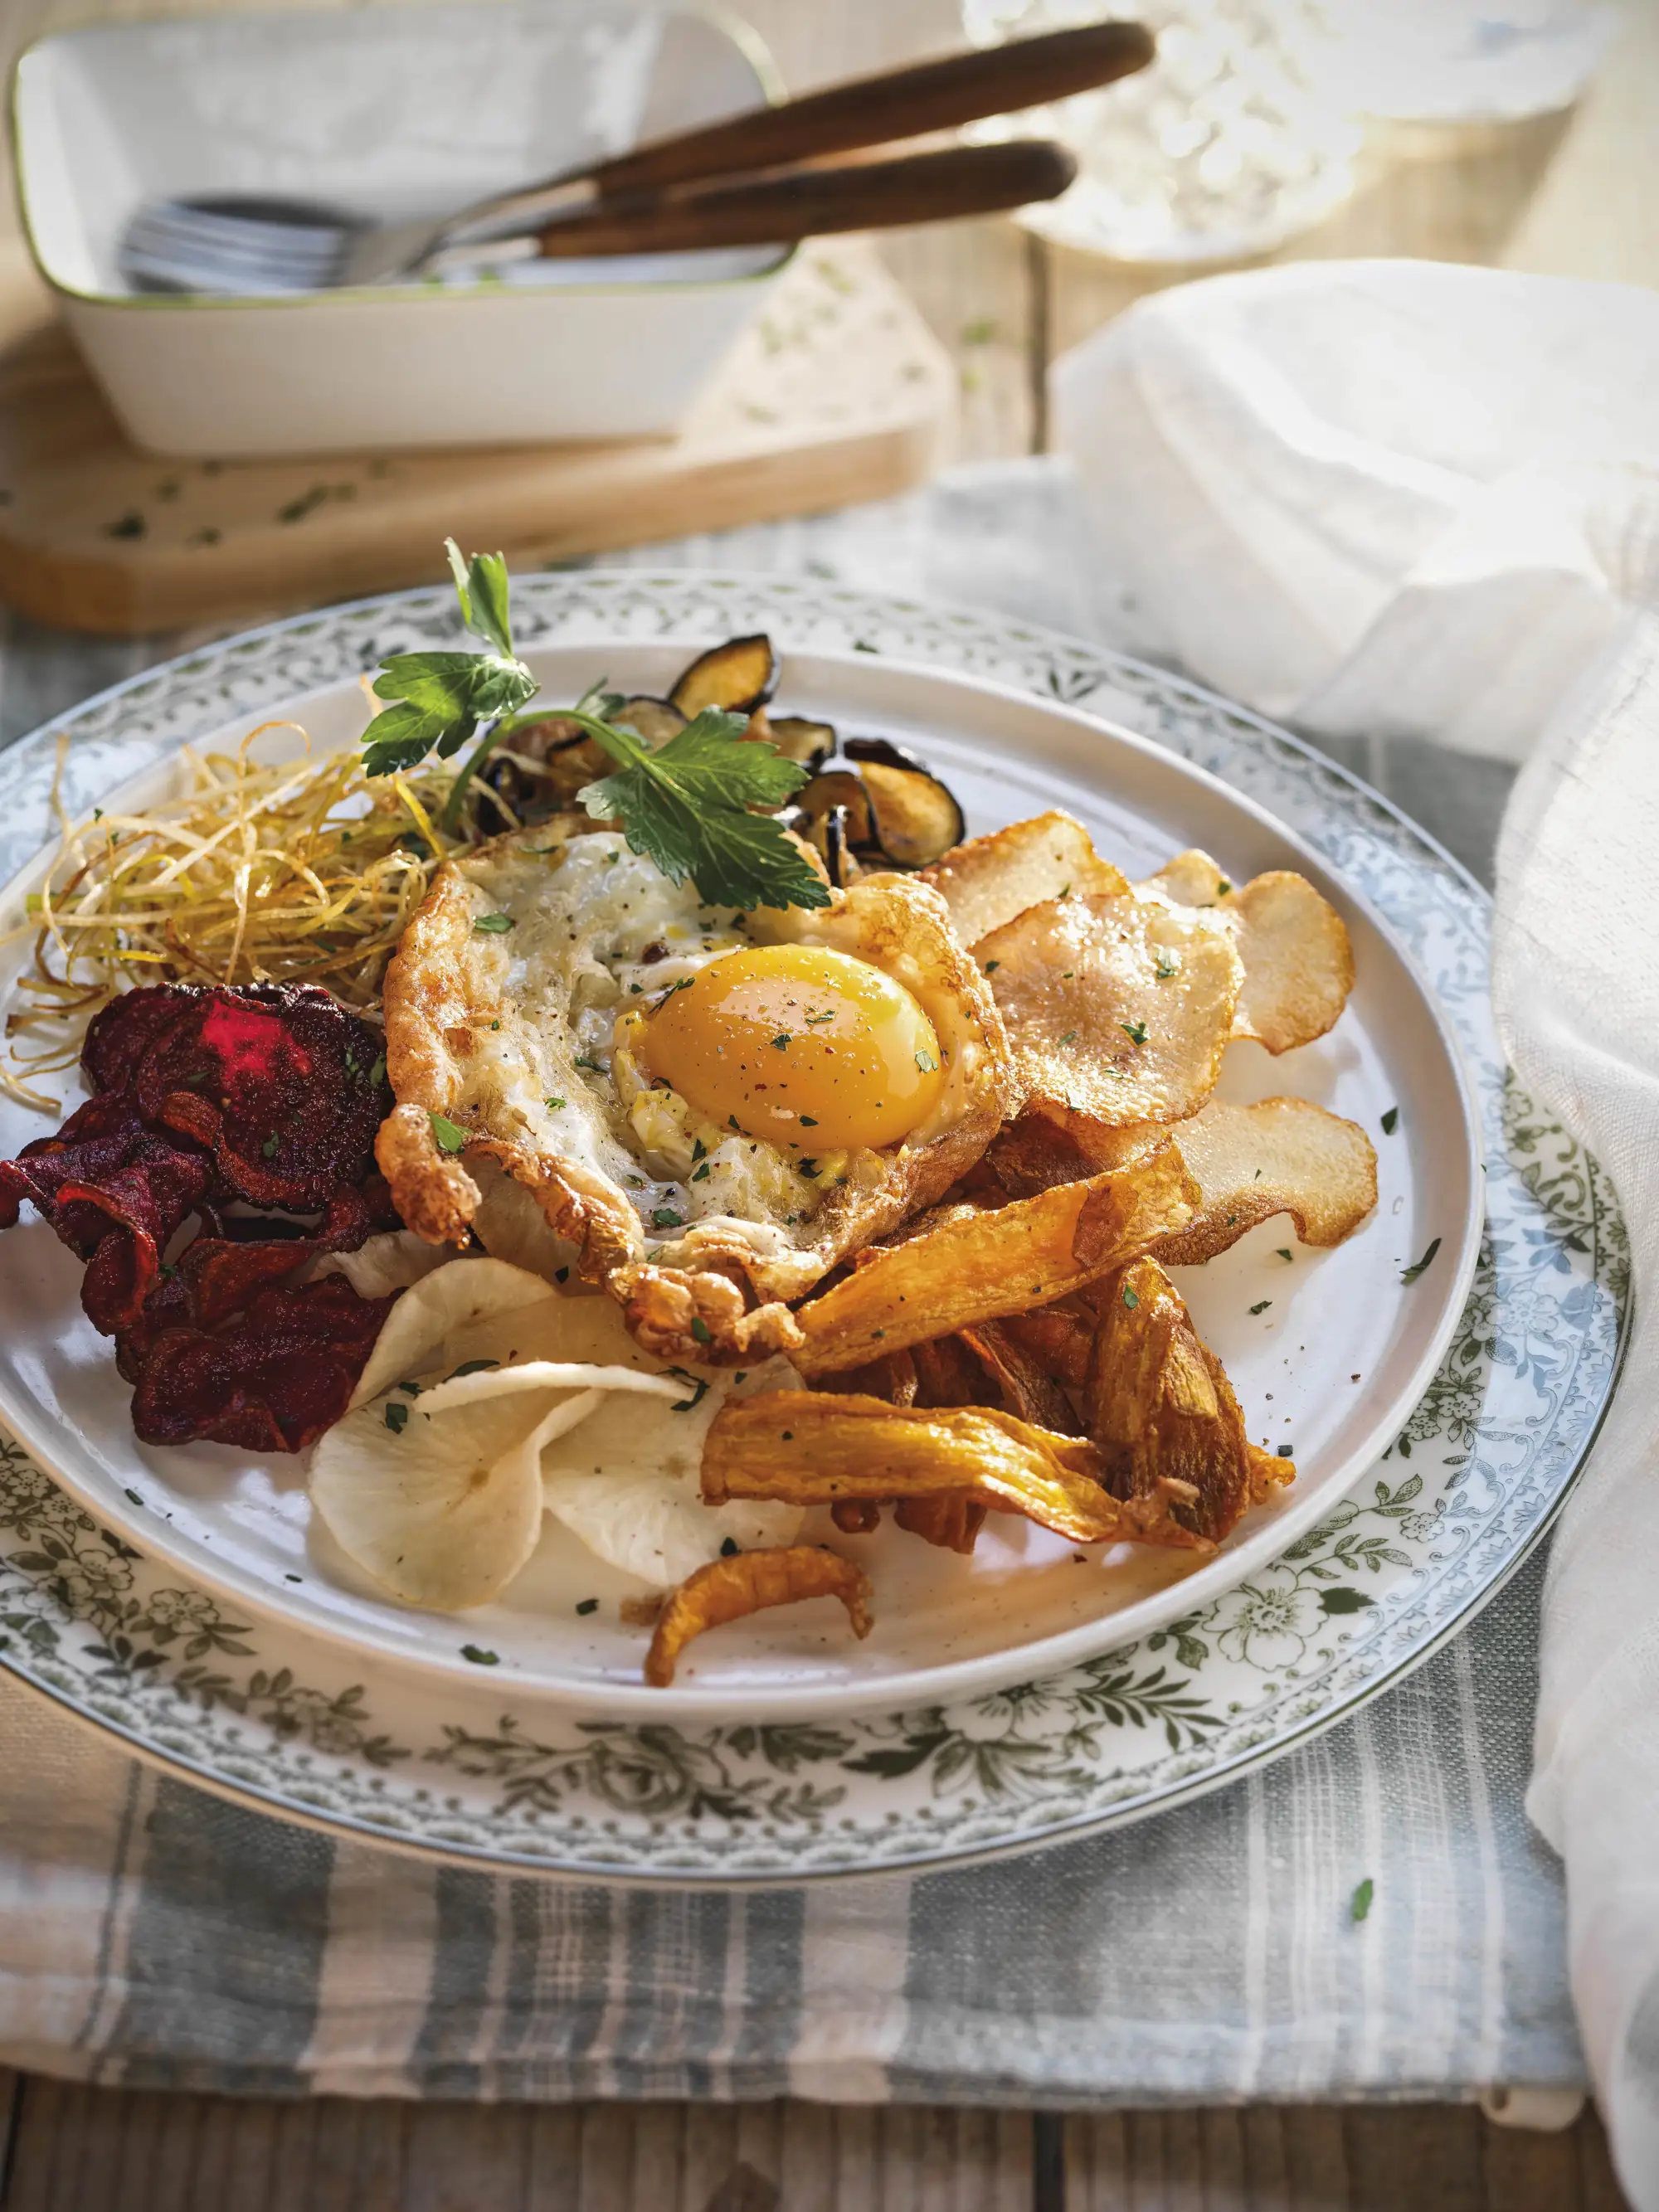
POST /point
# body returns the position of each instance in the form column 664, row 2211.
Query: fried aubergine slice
column 814, row 1448
column 749, row 1582
column 983, row 1263
column 1161, row 1413
column 1298, row 961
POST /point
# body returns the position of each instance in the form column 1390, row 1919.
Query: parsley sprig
column 686, row 805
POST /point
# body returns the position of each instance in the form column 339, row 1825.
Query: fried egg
column 708, row 1108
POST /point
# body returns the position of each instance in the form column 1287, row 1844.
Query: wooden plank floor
column 1576, row 195
column 75, row 2149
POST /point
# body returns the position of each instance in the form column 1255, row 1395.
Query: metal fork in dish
column 243, row 244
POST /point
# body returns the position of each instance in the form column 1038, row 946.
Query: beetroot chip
column 273, row 1383
column 219, row 1272
column 284, row 1085
column 118, row 1035
column 115, row 1192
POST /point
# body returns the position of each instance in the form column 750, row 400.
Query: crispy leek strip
column 1162, row 1411
column 815, row 1448
column 257, row 871
column 980, row 1265
column 728, row 1589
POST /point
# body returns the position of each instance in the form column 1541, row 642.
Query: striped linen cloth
column 153, row 1935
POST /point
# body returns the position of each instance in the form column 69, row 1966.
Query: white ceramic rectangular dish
column 392, row 111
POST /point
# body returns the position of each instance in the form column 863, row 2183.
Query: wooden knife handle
column 961, row 180
column 898, row 104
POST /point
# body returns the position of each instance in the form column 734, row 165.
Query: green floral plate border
column 271, row 1715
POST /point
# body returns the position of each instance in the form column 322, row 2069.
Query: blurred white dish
column 392, row 112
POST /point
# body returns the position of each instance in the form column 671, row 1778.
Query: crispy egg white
column 526, row 1007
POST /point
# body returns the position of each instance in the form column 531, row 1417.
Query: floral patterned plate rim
column 270, row 1714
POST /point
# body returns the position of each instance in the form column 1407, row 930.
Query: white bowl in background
column 394, row 112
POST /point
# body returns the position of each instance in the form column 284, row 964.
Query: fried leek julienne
column 729, row 1589
column 814, row 1448
column 296, row 870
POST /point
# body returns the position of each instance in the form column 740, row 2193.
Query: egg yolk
column 797, row 1046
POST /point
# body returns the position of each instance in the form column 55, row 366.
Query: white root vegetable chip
column 1119, row 1008
column 474, row 1418
column 1298, row 962
column 1279, row 1156
column 989, row 880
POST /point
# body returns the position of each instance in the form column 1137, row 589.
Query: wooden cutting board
column 838, row 392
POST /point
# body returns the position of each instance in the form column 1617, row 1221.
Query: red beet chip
column 118, row 1035
column 273, row 1383
column 223, row 1270
column 282, row 1083
column 115, row 1192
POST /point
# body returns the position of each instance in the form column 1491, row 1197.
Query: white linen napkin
column 1404, row 499
column 1390, row 498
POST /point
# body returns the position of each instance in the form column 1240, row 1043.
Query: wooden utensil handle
column 962, row 181
column 898, row 104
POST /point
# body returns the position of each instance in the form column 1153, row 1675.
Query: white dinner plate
column 927, row 1739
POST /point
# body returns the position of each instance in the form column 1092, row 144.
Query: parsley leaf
column 440, row 699
column 1390, row 1121
column 448, row 1135
column 1360, row 1903
column 685, row 806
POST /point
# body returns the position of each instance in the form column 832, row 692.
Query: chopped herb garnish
column 480, row 1658
column 1284, row 1251
column 821, row 1018
column 1135, row 1031
column 268, row 1150
column 396, row 1416
column 991, row 966
column 1222, row 886
column 809, row 1120
column 411, row 1389
column 473, row 1367
column 700, row 1175
column 701, row 1331
column 1166, row 967
column 1131, row 1297
column 1390, row 1121
column 729, row 1547
column 134, row 1498
column 1287, row 1451
column 927, row 1063
column 493, row 925
column 1410, row 1274
column 554, row 1105
column 1070, row 1037
column 595, row 1066
column 1360, row 1903
column 562, row 1274
column 588, row 1605
column 664, row 1217
column 698, row 1148
column 808, row 1168
column 448, row 1135
column 377, row 1073
column 732, row 1122
column 1261, row 1306
column 781, row 1039
column 699, row 1389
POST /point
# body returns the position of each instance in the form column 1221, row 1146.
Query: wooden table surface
column 1576, row 195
